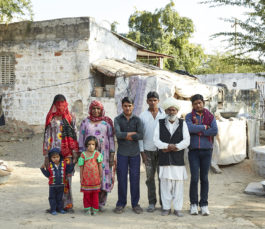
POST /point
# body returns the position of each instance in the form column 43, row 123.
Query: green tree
column 10, row 9
column 113, row 26
column 250, row 39
column 227, row 63
column 166, row 32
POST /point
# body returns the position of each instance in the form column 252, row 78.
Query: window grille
column 7, row 69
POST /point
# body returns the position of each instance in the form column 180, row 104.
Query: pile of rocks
column 15, row 130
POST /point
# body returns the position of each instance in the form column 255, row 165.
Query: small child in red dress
column 90, row 175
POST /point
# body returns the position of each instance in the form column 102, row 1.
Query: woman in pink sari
column 100, row 126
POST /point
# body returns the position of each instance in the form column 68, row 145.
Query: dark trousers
column 56, row 197
column 123, row 163
column 90, row 200
column 200, row 161
column 152, row 168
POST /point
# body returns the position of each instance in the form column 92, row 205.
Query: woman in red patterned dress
column 90, row 163
column 60, row 132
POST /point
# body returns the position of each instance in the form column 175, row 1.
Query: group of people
column 157, row 135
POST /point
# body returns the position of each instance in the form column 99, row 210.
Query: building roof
column 142, row 51
column 128, row 41
column 152, row 54
column 184, row 85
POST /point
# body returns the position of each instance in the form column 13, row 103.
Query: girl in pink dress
column 100, row 126
column 90, row 175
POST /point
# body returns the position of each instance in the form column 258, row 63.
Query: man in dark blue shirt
column 128, row 130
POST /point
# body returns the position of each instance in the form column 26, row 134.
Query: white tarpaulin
column 230, row 144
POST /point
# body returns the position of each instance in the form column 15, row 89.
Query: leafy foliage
column 10, row 9
column 227, row 63
column 113, row 26
column 251, row 38
column 166, row 32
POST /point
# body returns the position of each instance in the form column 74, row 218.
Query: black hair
column 152, row 94
column 196, row 97
column 91, row 138
column 127, row 100
column 58, row 97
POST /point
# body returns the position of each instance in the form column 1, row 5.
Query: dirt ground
column 24, row 199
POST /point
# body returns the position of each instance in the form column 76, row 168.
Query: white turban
column 171, row 102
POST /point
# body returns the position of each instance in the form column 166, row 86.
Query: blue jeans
column 56, row 197
column 123, row 163
column 200, row 161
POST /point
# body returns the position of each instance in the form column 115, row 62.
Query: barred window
column 7, row 69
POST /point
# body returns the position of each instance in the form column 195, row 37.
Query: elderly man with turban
column 171, row 137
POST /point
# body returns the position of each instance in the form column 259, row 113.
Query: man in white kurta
column 172, row 171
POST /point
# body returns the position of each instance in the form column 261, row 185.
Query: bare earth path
column 23, row 199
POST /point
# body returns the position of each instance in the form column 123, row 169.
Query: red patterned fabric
column 91, row 178
column 102, row 116
column 62, row 167
column 60, row 108
column 69, row 139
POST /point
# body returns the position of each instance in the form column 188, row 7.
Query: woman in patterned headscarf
column 60, row 133
column 100, row 126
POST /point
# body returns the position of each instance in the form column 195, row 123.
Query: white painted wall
column 243, row 80
column 104, row 44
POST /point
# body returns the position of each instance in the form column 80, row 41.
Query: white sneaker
column 193, row 209
column 205, row 211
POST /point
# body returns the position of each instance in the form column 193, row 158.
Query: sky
column 206, row 20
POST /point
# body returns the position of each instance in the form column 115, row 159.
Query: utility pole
column 235, row 44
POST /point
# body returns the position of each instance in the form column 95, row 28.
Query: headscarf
column 59, row 108
column 69, row 139
column 170, row 102
column 102, row 115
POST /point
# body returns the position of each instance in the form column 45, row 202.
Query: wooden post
column 160, row 62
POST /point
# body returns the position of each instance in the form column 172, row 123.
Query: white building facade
column 42, row 59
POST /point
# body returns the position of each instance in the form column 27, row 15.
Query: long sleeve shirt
column 172, row 172
column 202, row 140
column 149, row 124
column 172, row 128
column 122, row 126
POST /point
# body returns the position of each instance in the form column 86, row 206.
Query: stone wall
column 53, row 57
column 41, row 73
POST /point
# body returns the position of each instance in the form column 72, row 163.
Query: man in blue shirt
column 202, row 127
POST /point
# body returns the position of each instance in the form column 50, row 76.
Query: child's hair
column 55, row 151
column 91, row 138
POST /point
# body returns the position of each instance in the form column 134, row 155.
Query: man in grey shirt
column 128, row 130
